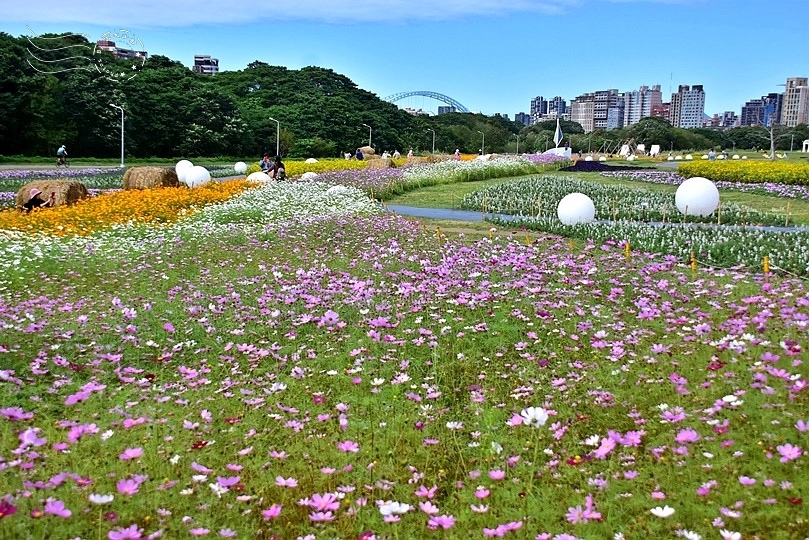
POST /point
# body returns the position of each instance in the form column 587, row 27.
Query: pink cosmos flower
column 131, row 453
column 348, row 446
column 322, row 516
column 422, row 491
column 7, row 509
column 789, row 452
column 127, row 486
column 497, row 474
column 428, row 508
column 228, row 481
column 272, row 512
column 686, row 436
column 441, row 522
column 130, row 533
column 286, row 482
column 747, row 481
column 198, row 531
column 327, row 501
column 57, row 508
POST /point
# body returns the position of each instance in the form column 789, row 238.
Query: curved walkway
column 469, row 215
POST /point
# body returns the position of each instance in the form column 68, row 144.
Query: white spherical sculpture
column 310, row 160
column 308, row 176
column 705, row 156
column 576, row 208
column 736, row 156
column 697, row 196
column 588, row 158
column 258, row 176
column 197, row 176
column 602, row 158
column 689, row 157
column 744, row 157
column 181, row 168
column 630, row 158
column 240, row 167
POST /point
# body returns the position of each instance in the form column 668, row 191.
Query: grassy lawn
column 449, row 195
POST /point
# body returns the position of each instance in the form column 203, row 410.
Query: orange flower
column 162, row 205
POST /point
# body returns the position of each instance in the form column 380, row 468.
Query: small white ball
column 196, row 176
column 240, row 167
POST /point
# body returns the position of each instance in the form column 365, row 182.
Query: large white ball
column 240, row 167
column 337, row 190
column 258, row 176
column 308, row 176
column 736, row 156
column 602, row 158
column 182, row 164
column 697, row 196
column 630, row 158
column 197, row 176
column 588, row 158
column 689, row 157
column 310, row 160
column 576, row 208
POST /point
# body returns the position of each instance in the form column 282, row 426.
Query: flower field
column 293, row 363
column 755, row 172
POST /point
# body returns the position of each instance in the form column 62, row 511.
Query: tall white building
column 795, row 104
column 639, row 103
column 687, row 106
column 203, row 63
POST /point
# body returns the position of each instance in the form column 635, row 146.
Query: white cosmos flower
column 663, row 512
column 96, row 498
column 534, row 416
column 394, row 508
column 730, row 535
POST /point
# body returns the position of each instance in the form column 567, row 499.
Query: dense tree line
column 173, row 112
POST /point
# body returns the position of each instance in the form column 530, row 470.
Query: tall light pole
column 120, row 108
column 369, row 134
column 277, row 136
column 433, row 139
column 483, row 143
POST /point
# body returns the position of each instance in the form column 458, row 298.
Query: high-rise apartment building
column 539, row 108
column 795, row 105
column 582, row 110
column 687, row 106
column 761, row 112
column 203, row 63
column 557, row 107
column 639, row 103
column 523, row 118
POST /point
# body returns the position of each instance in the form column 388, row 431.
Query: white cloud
column 160, row 13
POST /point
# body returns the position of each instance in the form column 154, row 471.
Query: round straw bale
column 367, row 151
column 415, row 160
column 380, row 163
column 150, row 177
column 67, row 191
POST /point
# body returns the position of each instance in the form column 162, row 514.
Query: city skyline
column 494, row 56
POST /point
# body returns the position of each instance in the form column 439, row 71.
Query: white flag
column 557, row 137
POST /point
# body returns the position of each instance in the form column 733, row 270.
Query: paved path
column 468, row 215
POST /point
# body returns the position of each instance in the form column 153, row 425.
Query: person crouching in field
column 35, row 201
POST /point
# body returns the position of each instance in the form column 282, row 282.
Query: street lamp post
column 369, row 134
column 482, row 143
column 277, row 136
column 120, row 108
column 433, row 139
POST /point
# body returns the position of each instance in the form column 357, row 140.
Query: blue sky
column 490, row 55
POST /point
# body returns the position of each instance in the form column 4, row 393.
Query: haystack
column 67, row 191
column 150, row 177
column 380, row 163
column 415, row 160
column 367, row 151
